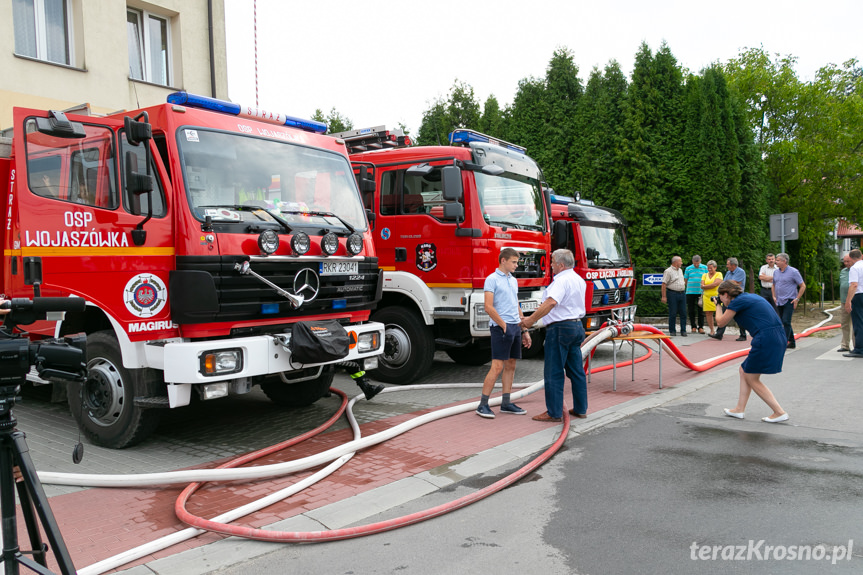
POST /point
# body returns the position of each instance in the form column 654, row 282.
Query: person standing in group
column 854, row 301
column 765, row 276
column 788, row 288
column 673, row 293
column 504, row 312
column 563, row 305
column 844, row 315
column 709, row 285
column 737, row 275
column 692, row 274
column 766, row 353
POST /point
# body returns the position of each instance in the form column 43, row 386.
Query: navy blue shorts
column 506, row 344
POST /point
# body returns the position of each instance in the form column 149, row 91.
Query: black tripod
column 14, row 454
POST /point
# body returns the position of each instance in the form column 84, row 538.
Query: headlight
column 221, row 362
column 329, row 243
column 355, row 244
column 268, row 241
column 300, row 243
column 368, row 342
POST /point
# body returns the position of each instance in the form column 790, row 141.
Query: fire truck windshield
column 511, row 200
column 605, row 247
column 229, row 175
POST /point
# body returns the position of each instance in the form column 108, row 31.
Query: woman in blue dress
column 754, row 314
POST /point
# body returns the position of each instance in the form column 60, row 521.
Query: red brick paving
column 99, row 523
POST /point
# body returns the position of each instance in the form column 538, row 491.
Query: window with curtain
column 42, row 29
column 149, row 50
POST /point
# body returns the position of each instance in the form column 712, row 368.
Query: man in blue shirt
column 736, row 274
column 788, row 288
column 504, row 312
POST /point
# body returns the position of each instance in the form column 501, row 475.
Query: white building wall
column 99, row 74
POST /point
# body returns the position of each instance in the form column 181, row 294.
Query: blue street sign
column 651, row 279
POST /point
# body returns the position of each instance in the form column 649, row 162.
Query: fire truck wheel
column 301, row 394
column 408, row 346
column 104, row 405
column 537, row 344
column 469, row 355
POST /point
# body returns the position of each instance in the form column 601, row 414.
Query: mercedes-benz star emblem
column 307, row 283
column 616, row 296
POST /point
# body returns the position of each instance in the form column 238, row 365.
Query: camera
column 62, row 359
column 715, row 299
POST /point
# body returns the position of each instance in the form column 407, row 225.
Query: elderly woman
column 709, row 284
column 753, row 313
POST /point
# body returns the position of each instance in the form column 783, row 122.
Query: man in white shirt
column 765, row 275
column 854, row 302
column 563, row 305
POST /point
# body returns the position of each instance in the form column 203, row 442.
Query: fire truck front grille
column 603, row 297
column 221, row 293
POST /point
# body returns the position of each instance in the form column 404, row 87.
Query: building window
column 149, row 47
column 43, row 29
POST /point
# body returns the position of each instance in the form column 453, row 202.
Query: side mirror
column 492, row 170
column 136, row 185
column 451, row 181
column 137, row 132
column 560, row 231
column 453, row 211
column 365, row 182
column 58, row 125
column 419, row 170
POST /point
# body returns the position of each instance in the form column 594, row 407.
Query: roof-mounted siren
column 465, row 137
column 226, row 107
column 376, row 138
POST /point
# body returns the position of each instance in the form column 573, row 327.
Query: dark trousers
column 857, row 321
column 676, row 307
column 696, row 312
column 786, row 311
column 767, row 294
column 721, row 331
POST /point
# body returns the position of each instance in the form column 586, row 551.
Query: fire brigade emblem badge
column 426, row 257
column 385, row 234
column 145, row 295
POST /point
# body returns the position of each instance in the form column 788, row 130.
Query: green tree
column 810, row 135
column 335, row 121
column 492, row 119
column 433, row 128
column 601, row 110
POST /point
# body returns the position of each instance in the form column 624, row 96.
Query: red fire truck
column 202, row 235
column 441, row 215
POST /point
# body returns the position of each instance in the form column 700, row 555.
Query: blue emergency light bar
column 563, row 200
column 467, row 136
column 225, row 107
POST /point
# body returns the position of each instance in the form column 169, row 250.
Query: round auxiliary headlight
column 268, row 241
column 329, row 243
column 300, row 243
column 355, row 244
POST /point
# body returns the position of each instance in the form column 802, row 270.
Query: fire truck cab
column 200, row 233
column 596, row 236
column 440, row 217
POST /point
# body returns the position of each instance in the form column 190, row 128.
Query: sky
column 381, row 62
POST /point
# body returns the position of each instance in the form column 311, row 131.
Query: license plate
column 529, row 305
column 339, row 268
